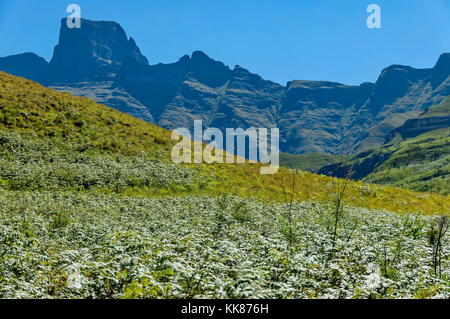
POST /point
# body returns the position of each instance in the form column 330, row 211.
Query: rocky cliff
column 101, row 62
column 93, row 52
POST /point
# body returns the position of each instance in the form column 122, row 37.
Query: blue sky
column 280, row 40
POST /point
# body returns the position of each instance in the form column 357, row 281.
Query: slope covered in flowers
column 72, row 129
column 67, row 245
column 91, row 206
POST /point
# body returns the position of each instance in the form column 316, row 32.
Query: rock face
column 27, row 65
column 400, row 93
column 101, row 62
column 434, row 118
column 93, row 52
column 315, row 116
column 197, row 87
column 415, row 127
column 426, row 153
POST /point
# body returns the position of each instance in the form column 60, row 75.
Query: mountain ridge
column 101, row 62
column 77, row 126
column 415, row 155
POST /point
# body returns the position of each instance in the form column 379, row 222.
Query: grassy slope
column 421, row 163
column 442, row 109
column 74, row 125
column 308, row 162
column 85, row 213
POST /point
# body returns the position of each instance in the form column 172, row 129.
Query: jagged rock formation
column 93, row 52
column 400, row 93
column 101, row 62
column 414, row 156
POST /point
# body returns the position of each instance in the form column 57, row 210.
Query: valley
column 313, row 116
column 92, row 207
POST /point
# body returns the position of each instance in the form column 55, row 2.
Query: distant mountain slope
column 434, row 118
column 92, row 207
column 27, row 65
column 108, row 93
column 54, row 140
column 421, row 163
column 198, row 87
column 417, row 155
column 399, row 90
column 442, row 109
column 310, row 162
column 99, row 61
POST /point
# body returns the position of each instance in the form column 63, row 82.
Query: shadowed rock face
column 93, row 52
column 400, row 93
column 441, row 71
column 316, row 115
column 415, row 127
column 180, row 92
column 27, row 65
column 313, row 116
column 101, row 62
column 434, row 118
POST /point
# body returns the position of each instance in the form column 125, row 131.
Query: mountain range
column 101, row 62
column 93, row 207
column 91, row 191
column 415, row 156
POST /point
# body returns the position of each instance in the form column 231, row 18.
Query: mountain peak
column 238, row 68
column 94, row 51
column 443, row 59
column 28, row 65
column 208, row 71
column 185, row 59
column 441, row 70
column 200, row 56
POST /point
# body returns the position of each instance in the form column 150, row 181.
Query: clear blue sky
column 280, row 40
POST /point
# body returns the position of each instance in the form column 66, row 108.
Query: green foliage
column 442, row 109
column 308, row 162
column 28, row 165
column 83, row 246
column 29, row 108
column 96, row 147
column 421, row 163
column 90, row 207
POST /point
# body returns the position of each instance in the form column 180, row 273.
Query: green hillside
column 308, row 162
column 442, row 109
column 77, row 126
column 92, row 207
column 420, row 163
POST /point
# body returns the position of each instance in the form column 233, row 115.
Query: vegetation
column 91, row 206
column 73, row 125
column 308, row 162
column 421, row 163
column 418, row 160
column 75, row 245
column 442, row 109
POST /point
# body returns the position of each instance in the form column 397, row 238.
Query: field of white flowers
column 74, row 245
column 90, row 207
column 28, row 165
